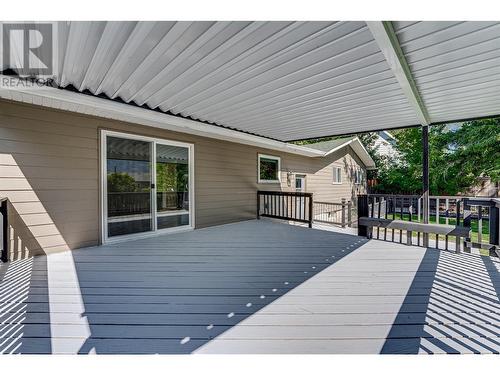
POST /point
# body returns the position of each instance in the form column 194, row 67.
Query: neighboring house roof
column 329, row 147
column 384, row 143
column 386, row 136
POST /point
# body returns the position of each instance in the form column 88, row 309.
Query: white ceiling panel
column 285, row 80
column 456, row 66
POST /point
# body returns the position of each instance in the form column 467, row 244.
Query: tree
column 475, row 151
column 459, row 157
column 403, row 174
column 119, row 182
column 171, row 177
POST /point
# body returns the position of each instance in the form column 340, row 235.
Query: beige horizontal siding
column 49, row 169
column 321, row 181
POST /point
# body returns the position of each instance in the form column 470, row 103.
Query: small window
column 337, row 175
column 358, row 176
column 269, row 169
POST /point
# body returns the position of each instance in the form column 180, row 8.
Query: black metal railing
column 333, row 212
column 4, row 255
column 134, row 203
column 482, row 214
column 478, row 215
column 292, row 206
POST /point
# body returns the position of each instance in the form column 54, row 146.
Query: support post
column 494, row 225
column 258, row 206
column 425, row 180
column 343, row 215
column 466, row 223
column 310, row 210
column 349, row 214
column 362, row 212
column 467, row 219
column 4, row 256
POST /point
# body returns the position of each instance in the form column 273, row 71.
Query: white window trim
column 278, row 181
column 335, row 168
column 304, row 178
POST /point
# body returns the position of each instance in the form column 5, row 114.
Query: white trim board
column 359, row 149
column 386, row 38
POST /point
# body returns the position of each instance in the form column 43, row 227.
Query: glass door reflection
column 172, row 186
column 129, row 179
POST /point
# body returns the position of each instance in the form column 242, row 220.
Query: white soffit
column 359, row 149
column 90, row 105
column 363, row 154
column 456, row 66
column 285, row 80
column 387, row 40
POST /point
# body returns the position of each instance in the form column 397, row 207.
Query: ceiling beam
column 387, row 40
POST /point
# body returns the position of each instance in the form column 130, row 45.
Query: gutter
column 363, row 154
column 66, row 100
column 76, row 102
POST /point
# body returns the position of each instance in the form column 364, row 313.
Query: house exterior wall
column 50, row 171
column 321, row 182
column 319, row 175
column 383, row 145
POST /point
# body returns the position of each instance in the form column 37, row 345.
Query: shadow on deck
column 250, row 287
column 461, row 300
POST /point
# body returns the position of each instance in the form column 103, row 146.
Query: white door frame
column 103, row 211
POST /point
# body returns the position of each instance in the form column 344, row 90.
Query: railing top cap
column 288, row 193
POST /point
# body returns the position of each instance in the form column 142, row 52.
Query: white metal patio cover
column 281, row 80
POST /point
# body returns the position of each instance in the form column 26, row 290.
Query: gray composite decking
column 251, row 287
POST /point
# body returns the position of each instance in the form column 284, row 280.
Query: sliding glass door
column 172, row 186
column 128, row 186
column 146, row 186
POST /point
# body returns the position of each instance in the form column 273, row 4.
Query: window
column 269, row 169
column 337, row 175
column 358, row 176
column 300, row 183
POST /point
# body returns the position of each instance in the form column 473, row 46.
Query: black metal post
column 349, row 214
column 4, row 257
column 310, row 210
column 467, row 213
column 362, row 212
column 457, row 238
column 343, row 215
column 258, row 205
column 425, row 180
column 494, row 225
column 457, row 214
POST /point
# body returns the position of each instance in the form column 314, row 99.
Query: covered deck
column 251, row 287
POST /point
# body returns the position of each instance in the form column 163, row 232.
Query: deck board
column 251, row 287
